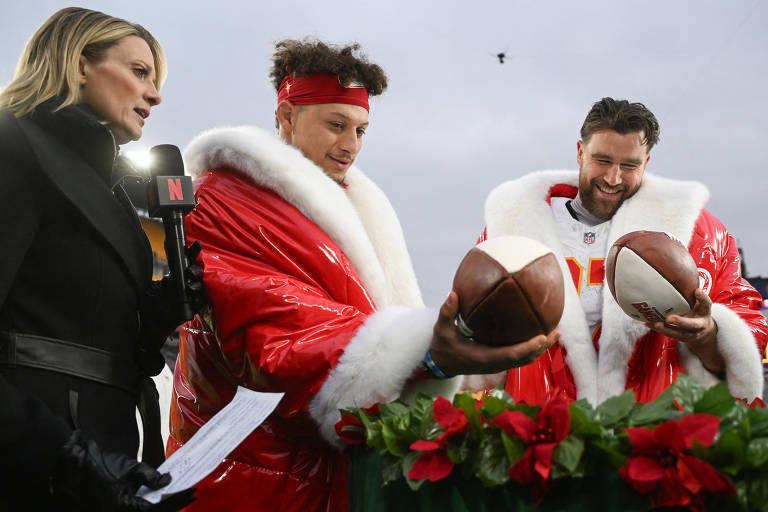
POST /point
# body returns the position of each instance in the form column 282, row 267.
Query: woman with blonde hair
column 81, row 323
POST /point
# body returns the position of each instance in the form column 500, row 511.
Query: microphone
column 170, row 196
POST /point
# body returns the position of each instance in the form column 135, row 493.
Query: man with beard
column 602, row 351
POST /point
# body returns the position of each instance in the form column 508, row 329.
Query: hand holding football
column 651, row 275
column 510, row 289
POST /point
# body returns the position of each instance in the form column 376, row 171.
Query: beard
column 598, row 205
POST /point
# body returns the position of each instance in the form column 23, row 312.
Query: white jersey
column 584, row 248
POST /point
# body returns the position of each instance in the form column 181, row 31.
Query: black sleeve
column 21, row 187
column 30, row 433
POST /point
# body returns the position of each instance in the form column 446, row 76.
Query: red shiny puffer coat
column 274, row 332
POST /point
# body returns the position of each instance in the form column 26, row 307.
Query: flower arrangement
column 691, row 447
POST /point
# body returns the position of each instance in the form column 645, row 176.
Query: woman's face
column 120, row 88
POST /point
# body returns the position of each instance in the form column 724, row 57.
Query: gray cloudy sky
column 455, row 123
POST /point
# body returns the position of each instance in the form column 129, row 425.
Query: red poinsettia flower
column 434, row 464
column 659, row 465
column 757, row 403
column 350, row 429
column 449, row 417
column 542, row 436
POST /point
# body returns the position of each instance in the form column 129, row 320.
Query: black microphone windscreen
column 166, row 161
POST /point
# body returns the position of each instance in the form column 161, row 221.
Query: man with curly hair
column 312, row 290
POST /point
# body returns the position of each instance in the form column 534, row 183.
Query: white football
column 651, row 275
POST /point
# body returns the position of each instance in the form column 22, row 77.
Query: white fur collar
column 519, row 207
column 360, row 220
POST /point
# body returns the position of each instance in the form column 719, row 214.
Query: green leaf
column 529, row 410
column 466, row 403
column 492, row 463
column 584, row 406
column 421, row 408
column 408, row 461
column 615, row 408
column 716, row 401
column 568, row 452
column 392, row 441
column 583, row 419
column 513, row 446
column 758, row 422
column 458, row 452
column 373, row 437
column 757, row 452
column 757, row 493
column 430, row 429
column 393, row 409
column 364, row 418
column 686, row 391
column 736, row 418
column 500, row 392
column 493, row 406
column 610, row 449
column 391, row 469
column 655, row 411
column 402, row 427
column 727, row 454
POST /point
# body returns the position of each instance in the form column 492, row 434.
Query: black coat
column 75, row 265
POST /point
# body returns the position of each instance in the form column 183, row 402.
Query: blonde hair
column 49, row 65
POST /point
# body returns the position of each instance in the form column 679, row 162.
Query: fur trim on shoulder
column 519, row 207
column 377, row 252
column 661, row 204
column 386, row 234
column 743, row 367
column 376, row 365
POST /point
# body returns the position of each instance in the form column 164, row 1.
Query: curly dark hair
column 310, row 56
column 623, row 117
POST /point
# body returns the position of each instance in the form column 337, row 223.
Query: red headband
column 321, row 88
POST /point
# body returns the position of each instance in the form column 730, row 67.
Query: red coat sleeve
column 719, row 256
column 285, row 300
column 741, row 329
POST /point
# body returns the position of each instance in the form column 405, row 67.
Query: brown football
column 510, row 289
column 651, row 275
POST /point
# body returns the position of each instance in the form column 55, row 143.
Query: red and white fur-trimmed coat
column 521, row 207
column 313, row 294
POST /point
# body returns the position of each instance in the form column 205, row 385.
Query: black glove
column 105, row 482
column 163, row 297
column 160, row 312
column 193, row 278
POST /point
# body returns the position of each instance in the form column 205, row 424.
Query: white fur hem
column 743, row 368
column 376, row 365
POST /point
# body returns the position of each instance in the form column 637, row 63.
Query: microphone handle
column 175, row 243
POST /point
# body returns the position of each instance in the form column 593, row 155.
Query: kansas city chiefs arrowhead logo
column 705, row 280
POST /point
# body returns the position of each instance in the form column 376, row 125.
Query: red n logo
column 174, row 190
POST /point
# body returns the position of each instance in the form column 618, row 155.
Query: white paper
column 215, row 440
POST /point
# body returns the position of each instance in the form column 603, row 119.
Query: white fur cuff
column 743, row 368
column 375, row 365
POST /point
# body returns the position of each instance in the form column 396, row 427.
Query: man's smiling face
column 611, row 168
column 329, row 134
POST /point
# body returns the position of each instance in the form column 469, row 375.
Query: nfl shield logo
column 589, row 237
